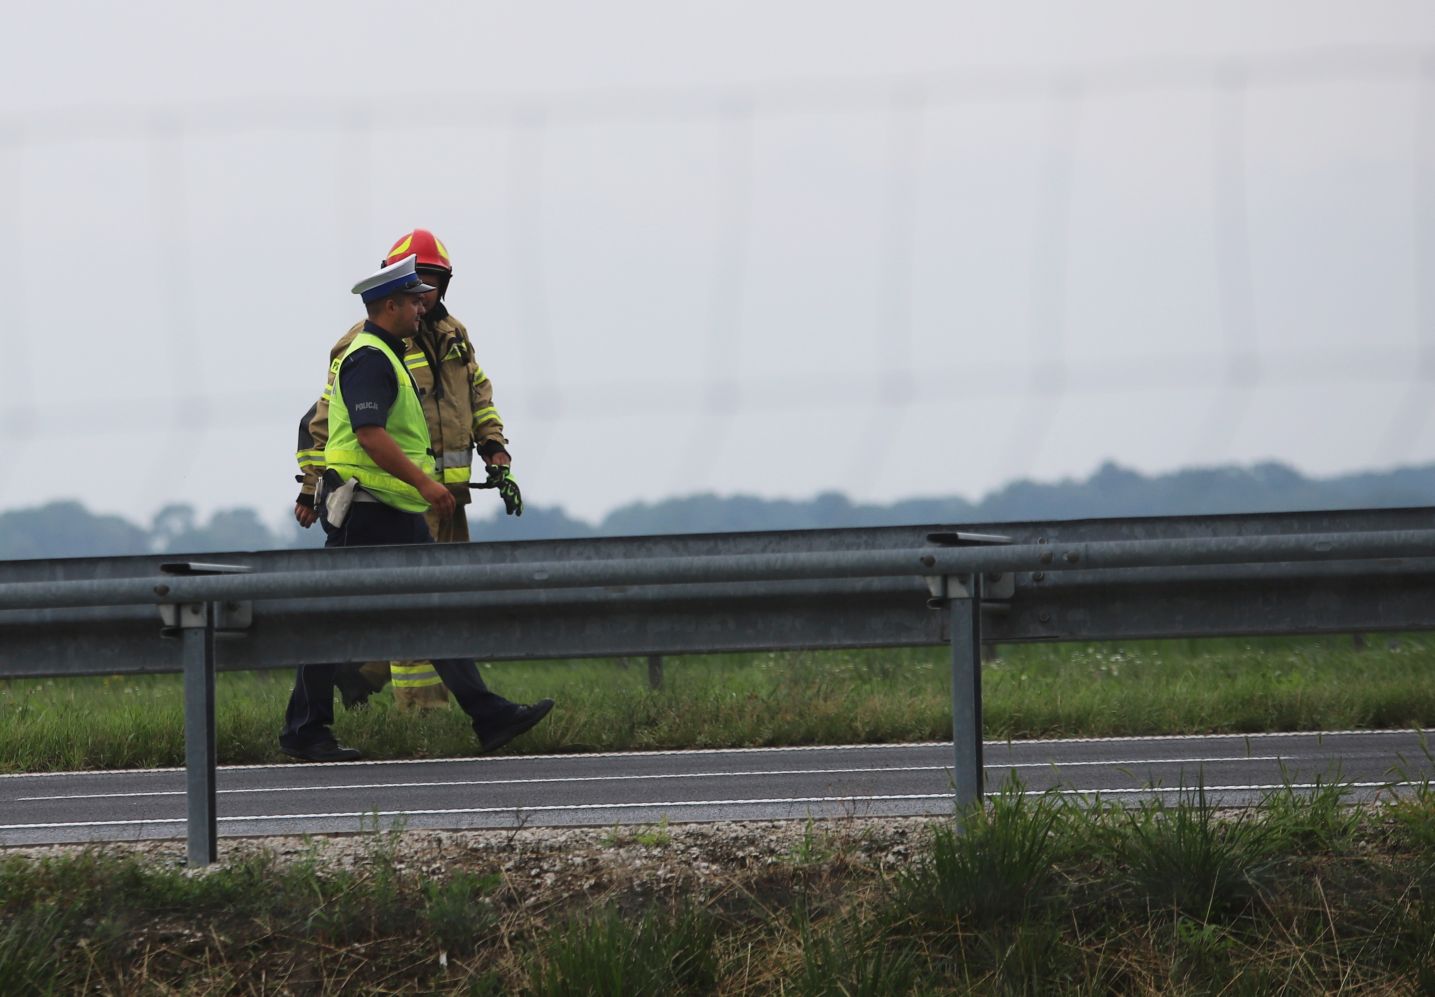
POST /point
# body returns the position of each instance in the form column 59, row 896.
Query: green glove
column 500, row 477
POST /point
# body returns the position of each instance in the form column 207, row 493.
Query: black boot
column 495, row 735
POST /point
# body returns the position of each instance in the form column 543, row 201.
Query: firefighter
column 457, row 398
column 380, row 479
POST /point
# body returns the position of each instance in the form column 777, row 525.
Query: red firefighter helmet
column 425, row 245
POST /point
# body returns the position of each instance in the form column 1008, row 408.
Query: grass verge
column 770, row 699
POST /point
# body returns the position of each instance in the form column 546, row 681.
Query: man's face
column 437, row 279
column 409, row 312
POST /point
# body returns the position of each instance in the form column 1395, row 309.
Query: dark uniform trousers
column 311, row 705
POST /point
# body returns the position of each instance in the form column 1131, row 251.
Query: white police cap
column 396, row 278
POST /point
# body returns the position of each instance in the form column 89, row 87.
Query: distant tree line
column 67, row 529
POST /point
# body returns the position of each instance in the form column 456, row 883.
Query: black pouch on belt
column 334, row 497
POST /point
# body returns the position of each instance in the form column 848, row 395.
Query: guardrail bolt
column 1044, row 616
column 1038, row 576
column 928, row 560
column 1071, row 557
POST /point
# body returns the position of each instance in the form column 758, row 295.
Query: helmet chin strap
column 430, row 276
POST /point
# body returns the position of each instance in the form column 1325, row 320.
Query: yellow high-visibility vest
column 405, row 423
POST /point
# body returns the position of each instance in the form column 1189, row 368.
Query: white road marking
column 1007, row 743
column 456, row 783
column 571, row 807
column 1193, row 790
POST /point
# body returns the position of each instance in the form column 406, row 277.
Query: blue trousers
column 311, row 705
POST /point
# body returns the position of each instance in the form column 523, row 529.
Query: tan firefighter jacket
column 457, row 399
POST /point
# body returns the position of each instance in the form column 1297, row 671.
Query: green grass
column 1037, row 895
column 999, row 870
column 646, row 835
column 771, row 699
column 613, row 954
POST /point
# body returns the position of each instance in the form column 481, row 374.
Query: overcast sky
column 896, row 250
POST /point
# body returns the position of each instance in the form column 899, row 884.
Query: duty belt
column 333, row 496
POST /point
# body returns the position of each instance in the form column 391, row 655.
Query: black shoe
column 324, row 751
column 520, row 720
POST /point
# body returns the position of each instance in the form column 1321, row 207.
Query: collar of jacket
column 393, row 342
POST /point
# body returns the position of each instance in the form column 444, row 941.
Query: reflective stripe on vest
column 405, row 423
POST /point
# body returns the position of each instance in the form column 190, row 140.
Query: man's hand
column 305, row 514
column 500, row 477
column 380, row 446
column 439, row 498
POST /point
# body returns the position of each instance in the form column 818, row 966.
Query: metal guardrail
column 892, row 586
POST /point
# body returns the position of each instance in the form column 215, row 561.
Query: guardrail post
column 966, row 621
column 961, row 596
column 197, row 623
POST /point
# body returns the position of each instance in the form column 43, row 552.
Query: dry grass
column 1038, row 896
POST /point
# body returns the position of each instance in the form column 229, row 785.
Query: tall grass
column 612, row 954
column 999, row 869
column 769, row 699
column 851, row 958
column 1184, row 858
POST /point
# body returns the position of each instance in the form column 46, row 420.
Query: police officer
column 458, row 402
column 379, row 482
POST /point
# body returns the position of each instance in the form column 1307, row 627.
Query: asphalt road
column 638, row 788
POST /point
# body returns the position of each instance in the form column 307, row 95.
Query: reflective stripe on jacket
column 405, row 423
column 458, row 404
